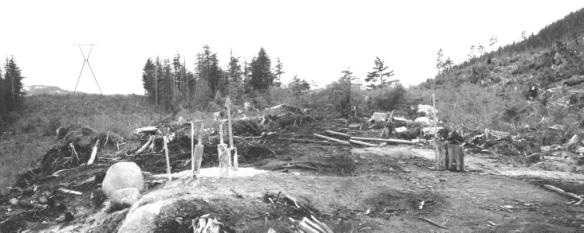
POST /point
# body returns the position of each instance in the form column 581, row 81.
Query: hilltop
column 533, row 84
column 44, row 90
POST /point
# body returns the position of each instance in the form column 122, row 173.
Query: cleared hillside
column 32, row 132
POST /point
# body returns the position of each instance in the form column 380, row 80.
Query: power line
column 86, row 61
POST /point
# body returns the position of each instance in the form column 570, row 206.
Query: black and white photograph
column 274, row 116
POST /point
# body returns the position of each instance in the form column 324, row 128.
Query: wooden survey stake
column 222, row 151
column 166, row 153
column 199, row 149
column 232, row 148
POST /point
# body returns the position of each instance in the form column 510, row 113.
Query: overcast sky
column 314, row 39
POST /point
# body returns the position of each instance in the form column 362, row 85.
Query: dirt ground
column 381, row 189
column 385, row 194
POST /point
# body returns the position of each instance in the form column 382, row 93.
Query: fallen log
column 561, row 191
column 74, row 151
column 304, row 140
column 337, row 133
column 298, row 165
column 362, row 143
column 400, row 141
column 69, row 191
column 332, row 139
column 143, row 148
column 432, row 222
column 146, row 129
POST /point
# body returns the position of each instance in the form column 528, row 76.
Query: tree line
column 170, row 84
column 11, row 88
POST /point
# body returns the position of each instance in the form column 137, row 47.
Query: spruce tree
column 148, row 79
column 208, row 69
column 380, row 75
column 235, row 80
column 3, row 102
column 278, row 71
column 261, row 73
column 298, row 86
column 166, row 86
column 13, row 82
column 342, row 93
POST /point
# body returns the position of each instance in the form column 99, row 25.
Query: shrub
column 387, row 99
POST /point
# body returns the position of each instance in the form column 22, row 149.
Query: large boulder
column 123, row 183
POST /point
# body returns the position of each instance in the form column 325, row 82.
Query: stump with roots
column 449, row 157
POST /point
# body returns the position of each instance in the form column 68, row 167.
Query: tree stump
column 449, row 157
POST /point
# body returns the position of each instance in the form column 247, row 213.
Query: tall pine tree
column 261, row 73
column 278, row 71
column 3, row 100
column 148, row 79
column 298, row 86
column 235, row 80
column 341, row 96
column 380, row 75
column 208, row 70
column 13, row 83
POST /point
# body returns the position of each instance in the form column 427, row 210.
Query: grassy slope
column 491, row 93
column 33, row 133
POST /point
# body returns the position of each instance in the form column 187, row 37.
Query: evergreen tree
column 3, row 102
column 341, row 93
column 380, row 75
column 157, row 81
column 261, row 72
column 148, row 79
column 278, row 71
column 191, row 84
column 298, row 86
column 208, row 70
column 180, row 90
column 235, row 80
column 443, row 64
column 13, row 83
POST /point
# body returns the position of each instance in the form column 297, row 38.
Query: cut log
column 449, row 157
column 459, row 158
column 332, row 139
column 391, row 140
column 441, row 158
column 337, row 133
column 362, row 143
column 146, row 130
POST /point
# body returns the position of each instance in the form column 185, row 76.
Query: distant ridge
column 44, row 90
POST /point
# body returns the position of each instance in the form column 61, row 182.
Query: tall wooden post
column 166, row 153
column 232, row 148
